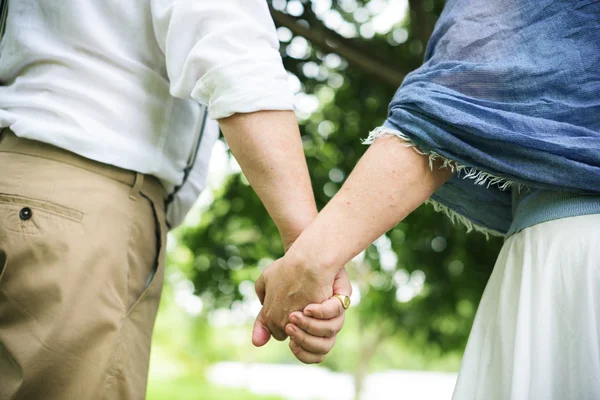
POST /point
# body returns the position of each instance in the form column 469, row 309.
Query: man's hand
column 286, row 286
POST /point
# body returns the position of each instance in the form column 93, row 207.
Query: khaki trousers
column 82, row 248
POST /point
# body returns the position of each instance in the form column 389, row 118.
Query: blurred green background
column 415, row 290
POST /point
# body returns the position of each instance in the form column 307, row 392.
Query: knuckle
column 308, row 325
column 321, row 351
column 327, row 347
column 302, row 323
column 333, row 311
column 338, row 328
column 331, row 344
column 294, row 348
column 318, row 359
column 303, row 358
column 329, row 332
column 300, row 339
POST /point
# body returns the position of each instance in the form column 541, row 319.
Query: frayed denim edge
column 480, row 178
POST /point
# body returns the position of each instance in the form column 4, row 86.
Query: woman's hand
column 313, row 332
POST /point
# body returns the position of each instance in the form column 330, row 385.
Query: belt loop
column 137, row 186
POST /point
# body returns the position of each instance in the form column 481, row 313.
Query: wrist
column 313, row 259
column 291, row 230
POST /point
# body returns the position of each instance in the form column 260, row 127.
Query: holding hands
column 387, row 184
column 297, row 302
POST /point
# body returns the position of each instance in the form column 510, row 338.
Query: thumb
column 341, row 284
column 260, row 333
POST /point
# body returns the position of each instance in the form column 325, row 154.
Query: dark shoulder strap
column 194, row 152
column 3, row 14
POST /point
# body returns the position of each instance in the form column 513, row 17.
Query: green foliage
column 236, row 237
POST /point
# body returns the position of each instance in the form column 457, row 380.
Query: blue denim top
column 510, row 92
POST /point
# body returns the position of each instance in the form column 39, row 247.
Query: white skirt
column 536, row 334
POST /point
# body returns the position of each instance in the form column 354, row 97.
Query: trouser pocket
column 144, row 252
column 127, row 378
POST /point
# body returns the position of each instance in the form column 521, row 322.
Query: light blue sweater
column 534, row 206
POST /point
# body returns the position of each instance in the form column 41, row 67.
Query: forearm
column 388, row 183
column 268, row 147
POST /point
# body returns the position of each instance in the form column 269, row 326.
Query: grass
column 193, row 388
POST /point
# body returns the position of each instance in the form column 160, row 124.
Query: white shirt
column 121, row 81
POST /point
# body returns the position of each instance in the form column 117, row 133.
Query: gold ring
column 344, row 299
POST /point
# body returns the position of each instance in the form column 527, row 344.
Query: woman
column 500, row 129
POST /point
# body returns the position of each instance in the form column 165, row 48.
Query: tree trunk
column 366, row 354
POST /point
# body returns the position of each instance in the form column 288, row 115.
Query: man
column 100, row 106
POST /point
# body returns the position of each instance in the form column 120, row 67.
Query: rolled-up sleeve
column 222, row 53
